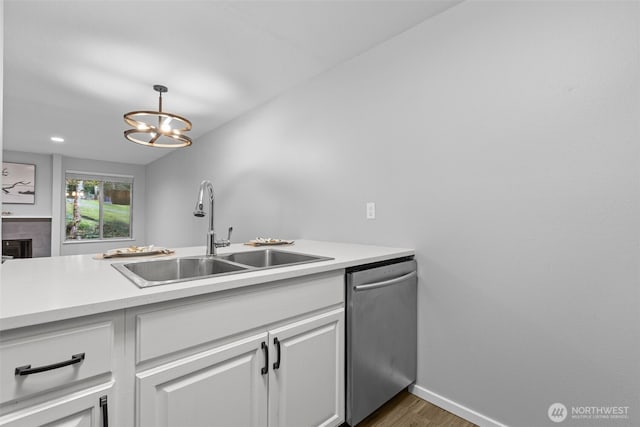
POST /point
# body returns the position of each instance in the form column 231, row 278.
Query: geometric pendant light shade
column 157, row 128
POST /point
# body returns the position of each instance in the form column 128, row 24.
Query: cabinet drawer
column 53, row 353
column 85, row 408
column 197, row 323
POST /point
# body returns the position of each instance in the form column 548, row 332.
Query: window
column 98, row 207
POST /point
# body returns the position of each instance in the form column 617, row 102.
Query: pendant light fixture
column 157, row 128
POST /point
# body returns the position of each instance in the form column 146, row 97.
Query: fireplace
column 17, row 248
column 16, row 231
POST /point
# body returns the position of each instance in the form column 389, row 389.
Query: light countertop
column 41, row 290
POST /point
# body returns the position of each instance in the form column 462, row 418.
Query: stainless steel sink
column 162, row 272
column 270, row 258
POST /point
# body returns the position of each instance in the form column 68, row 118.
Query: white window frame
column 102, row 177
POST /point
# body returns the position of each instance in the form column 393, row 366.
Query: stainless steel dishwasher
column 381, row 334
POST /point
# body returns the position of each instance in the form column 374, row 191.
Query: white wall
column 42, row 205
column 499, row 139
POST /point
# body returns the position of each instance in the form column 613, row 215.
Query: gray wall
column 1, row 87
column 42, row 206
column 38, row 226
column 501, row 141
column 46, row 195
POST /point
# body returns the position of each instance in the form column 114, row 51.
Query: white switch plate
column 371, row 210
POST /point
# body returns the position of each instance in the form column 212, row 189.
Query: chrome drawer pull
column 27, row 369
column 385, row 282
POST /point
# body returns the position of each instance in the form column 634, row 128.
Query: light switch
column 371, row 210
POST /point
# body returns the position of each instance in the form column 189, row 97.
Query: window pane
column 117, row 210
column 82, row 217
column 92, row 201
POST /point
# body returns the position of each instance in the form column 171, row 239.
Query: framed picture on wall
column 18, row 183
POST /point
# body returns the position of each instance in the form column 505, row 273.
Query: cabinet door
column 87, row 408
column 306, row 387
column 223, row 386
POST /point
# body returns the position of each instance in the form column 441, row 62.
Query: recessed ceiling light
column 57, row 139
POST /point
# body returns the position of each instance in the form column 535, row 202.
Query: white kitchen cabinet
column 173, row 342
column 223, row 386
column 86, row 408
column 298, row 382
column 306, row 379
column 62, row 373
column 86, row 350
column 269, row 356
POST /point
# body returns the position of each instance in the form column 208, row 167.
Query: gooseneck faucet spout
column 212, row 244
column 206, row 186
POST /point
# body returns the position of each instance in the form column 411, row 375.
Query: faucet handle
column 224, row 242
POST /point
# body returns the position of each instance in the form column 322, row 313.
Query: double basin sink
column 166, row 271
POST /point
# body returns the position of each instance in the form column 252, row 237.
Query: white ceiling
column 73, row 68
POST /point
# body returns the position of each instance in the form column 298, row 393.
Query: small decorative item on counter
column 267, row 241
column 133, row 251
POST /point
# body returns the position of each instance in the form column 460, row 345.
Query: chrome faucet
column 212, row 243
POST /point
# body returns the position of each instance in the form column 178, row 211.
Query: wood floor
column 408, row 410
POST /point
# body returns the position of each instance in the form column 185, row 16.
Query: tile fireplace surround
column 37, row 229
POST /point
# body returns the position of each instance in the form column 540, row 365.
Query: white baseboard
column 453, row 407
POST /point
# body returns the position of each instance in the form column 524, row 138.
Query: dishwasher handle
column 384, row 283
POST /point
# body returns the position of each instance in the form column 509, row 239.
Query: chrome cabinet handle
column 28, row 370
column 276, row 342
column 384, row 283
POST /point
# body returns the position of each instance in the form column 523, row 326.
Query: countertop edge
column 199, row 287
